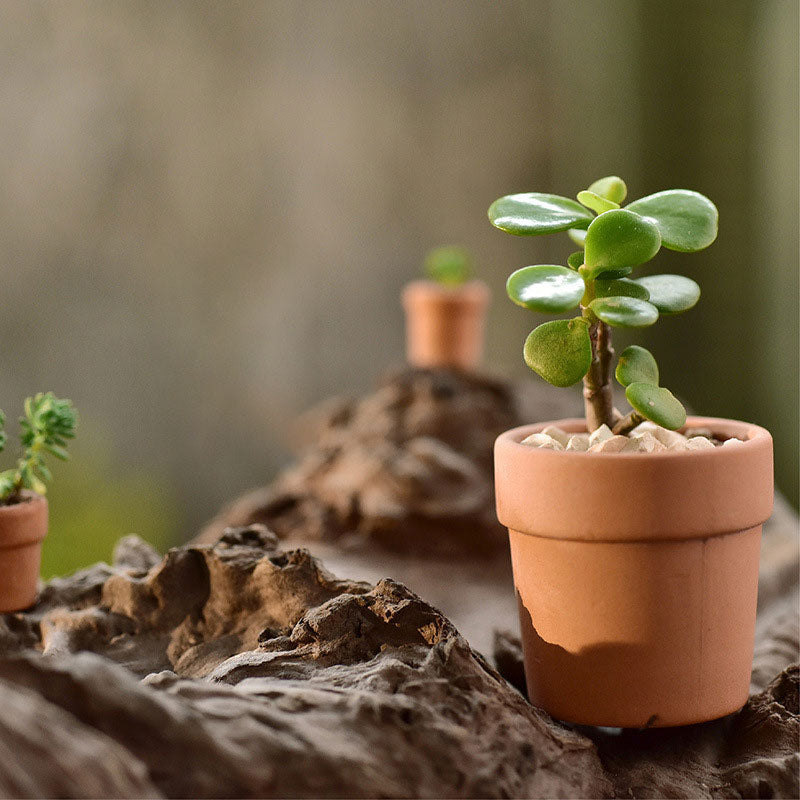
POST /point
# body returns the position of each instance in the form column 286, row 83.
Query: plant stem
column 627, row 423
column 598, row 398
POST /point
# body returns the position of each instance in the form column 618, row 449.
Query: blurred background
column 208, row 209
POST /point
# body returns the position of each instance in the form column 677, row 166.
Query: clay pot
column 23, row 526
column 636, row 574
column 444, row 325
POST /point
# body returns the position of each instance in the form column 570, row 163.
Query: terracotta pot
column 444, row 326
column 23, row 526
column 636, row 574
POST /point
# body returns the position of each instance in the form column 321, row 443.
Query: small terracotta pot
column 636, row 574
column 444, row 326
column 23, row 527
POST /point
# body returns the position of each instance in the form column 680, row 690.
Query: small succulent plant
column 614, row 240
column 45, row 428
column 449, row 265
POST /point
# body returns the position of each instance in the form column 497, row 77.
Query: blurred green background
column 207, row 211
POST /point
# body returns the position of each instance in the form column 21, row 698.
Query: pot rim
column 30, row 499
column 423, row 290
column 669, row 495
column 23, row 523
column 756, row 436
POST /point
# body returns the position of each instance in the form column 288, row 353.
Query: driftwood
column 238, row 668
column 263, row 676
column 406, row 469
column 241, row 670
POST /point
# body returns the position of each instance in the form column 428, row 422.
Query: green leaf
column 656, row 404
column 547, row 288
column 575, row 259
column 687, row 220
column 620, row 287
column 450, row 265
column 611, row 188
column 620, row 238
column 578, row 236
column 534, row 213
column 560, row 351
column 670, row 294
column 624, row 312
column 57, row 451
column 636, row 365
column 8, row 483
column 595, row 202
column 610, row 274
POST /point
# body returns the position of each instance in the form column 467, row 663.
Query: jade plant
column 449, row 266
column 47, row 425
column 613, row 240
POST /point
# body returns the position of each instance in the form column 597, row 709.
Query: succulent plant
column 614, row 241
column 45, row 428
column 449, row 265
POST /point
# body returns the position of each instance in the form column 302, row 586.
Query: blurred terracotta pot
column 444, row 325
column 23, row 527
column 636, row 574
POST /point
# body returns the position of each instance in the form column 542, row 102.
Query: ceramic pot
column 636, row 574
column 444, row 325
column 23, row 527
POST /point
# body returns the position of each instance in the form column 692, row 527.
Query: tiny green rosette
column 449, row 265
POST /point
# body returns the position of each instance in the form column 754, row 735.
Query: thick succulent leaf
column 636, row 364
column 620, row 287
column 610, row 274
column 656, row 404
column 594, row 201
column 560, row 351
column 624, row 312
column 687, row 220
column 533, row 213
column 620, row 238
column 670, row 294
column 578, row 236
column 450, row 265
column 546, row 287
column 612, row 188
column 575, row 260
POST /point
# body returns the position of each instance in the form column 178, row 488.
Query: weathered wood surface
column 236, row 668
column 240, row 670
column 406, row 469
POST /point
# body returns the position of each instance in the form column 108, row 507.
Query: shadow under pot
column 636, row 574
column 23, row 526
column 445, row 325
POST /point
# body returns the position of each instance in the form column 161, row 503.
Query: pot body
column 445, row 326
column 23, row 527
column 636, row 574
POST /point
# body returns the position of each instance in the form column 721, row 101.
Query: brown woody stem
column 627, row 423
column 598, row 398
